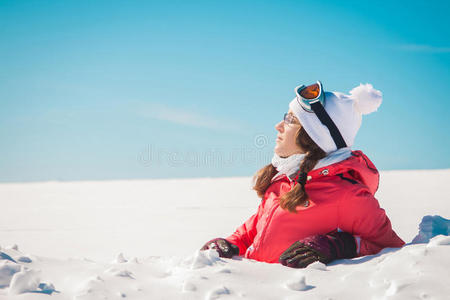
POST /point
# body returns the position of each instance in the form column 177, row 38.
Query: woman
column 318, row 199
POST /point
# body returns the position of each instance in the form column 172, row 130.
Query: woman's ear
column 297, row 140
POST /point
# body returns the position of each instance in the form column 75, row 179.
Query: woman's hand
column 323, row 248
column 223, row 247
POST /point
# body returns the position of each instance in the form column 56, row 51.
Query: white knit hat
column 346, row 112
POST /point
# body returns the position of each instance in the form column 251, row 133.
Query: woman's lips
column 278, row 139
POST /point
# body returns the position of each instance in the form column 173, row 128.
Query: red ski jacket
column 341, row 197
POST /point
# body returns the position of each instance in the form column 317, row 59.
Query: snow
column 139, row 239
column 27, row 280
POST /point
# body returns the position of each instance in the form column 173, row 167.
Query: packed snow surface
column 139, row 239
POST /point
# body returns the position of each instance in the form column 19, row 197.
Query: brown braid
column 262, row 179
column 297, row 195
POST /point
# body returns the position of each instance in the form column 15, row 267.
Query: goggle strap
column 324, row 117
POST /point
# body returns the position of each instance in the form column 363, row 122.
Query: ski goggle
column 312, row 99
column 307, row 95
column 289, row 119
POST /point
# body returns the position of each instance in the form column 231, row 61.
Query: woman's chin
column 278, row 151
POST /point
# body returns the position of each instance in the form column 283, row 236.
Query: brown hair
column 297, row 195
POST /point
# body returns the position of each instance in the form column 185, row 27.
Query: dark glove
column 323, row 248
column 224, row 247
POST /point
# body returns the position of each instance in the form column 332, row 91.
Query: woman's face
column 287, row 133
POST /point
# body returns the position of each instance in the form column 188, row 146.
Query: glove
column 323, row 248
column 224, row 247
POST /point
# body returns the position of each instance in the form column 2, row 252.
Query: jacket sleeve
column 244, row 234
column 361, row 215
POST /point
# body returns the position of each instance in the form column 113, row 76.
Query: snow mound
column 120, row 259
column 7, row 271
column 120, row 273
column 202, row 259
column 439, row 240
column 188, row 287
column 16, row 279
column 298, row 284
column 24, row 281
column 216, row 293
column 13, row 254
column 317, row 266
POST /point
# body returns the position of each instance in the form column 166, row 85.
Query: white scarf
column 291, row 164
column 287, row 165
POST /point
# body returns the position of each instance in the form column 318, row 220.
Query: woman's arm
column 361, row 215
column 244, row 234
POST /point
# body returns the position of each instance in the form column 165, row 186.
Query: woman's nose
column 280, row 126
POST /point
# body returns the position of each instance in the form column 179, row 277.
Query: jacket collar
column 357, row 167
column 331, row 158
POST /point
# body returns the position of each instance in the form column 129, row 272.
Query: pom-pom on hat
column 346, row 112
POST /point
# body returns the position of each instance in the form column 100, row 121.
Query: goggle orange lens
column 311, row 91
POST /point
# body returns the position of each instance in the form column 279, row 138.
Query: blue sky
column 96, row 90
